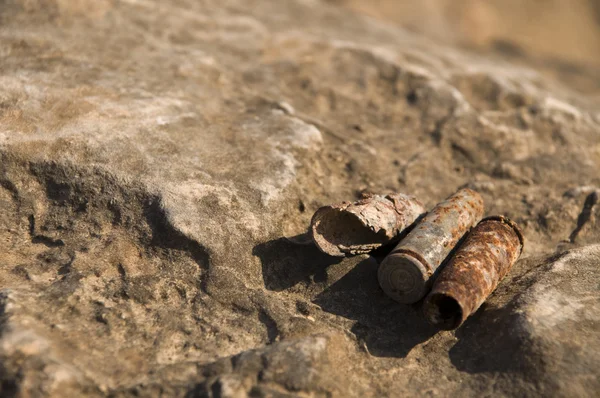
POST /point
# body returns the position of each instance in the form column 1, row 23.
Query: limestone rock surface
column 155, row 157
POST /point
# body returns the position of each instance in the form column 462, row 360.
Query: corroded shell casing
column 349, row 229
column 473, row 272
column 405, row 274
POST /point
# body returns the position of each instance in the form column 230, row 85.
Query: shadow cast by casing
column 492, row 340
column 285, row 263
column 387, row 328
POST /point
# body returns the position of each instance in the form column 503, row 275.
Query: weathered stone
column 297, row 366
column 155, row 156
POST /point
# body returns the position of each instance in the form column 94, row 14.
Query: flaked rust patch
column 432, row 239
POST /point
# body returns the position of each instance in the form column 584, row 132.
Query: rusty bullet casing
column 405, row 274
column 361, row 227
column 473, row 272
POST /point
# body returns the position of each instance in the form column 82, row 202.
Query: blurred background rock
column 558, row 37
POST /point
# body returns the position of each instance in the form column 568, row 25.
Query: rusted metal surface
column 405, row 274
column 355, row 228
column 473, row 272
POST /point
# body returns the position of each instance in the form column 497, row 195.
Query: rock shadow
column 286, row 262
column 165, row 235
column 492, row 340
column 387, row 328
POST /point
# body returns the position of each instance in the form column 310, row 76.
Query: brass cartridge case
column 473, row 272
column 405, row 274
column 348, row 229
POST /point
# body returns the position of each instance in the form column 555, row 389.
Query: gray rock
column 155, row 157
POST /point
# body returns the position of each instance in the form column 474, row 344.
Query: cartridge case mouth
column 335, row 232
column 443, row 311
column 403, row 278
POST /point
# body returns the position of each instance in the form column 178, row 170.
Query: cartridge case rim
column 403, row 278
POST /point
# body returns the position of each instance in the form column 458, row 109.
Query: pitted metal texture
column 474, row 271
